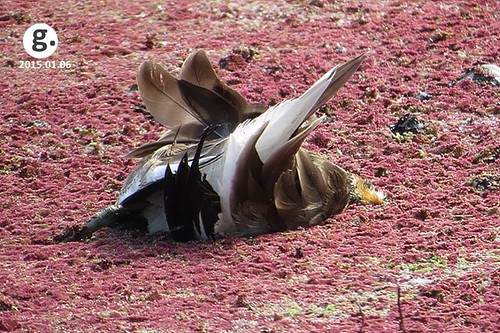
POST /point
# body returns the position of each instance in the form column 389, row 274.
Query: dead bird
column 226, row 167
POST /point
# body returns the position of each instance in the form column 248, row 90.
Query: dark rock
column 408, row 123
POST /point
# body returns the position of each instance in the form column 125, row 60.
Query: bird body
column 228, row 168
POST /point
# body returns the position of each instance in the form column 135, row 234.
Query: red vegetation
column 63, row 132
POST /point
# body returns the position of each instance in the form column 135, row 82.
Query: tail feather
column 191, row 205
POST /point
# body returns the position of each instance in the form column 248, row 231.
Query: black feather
column 190, row 201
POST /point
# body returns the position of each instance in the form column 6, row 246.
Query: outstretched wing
column 262, row 149
column 188, row 105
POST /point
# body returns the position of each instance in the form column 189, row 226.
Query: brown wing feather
column 198, row 70
column 283, row 157
column 311, row 191
column 163, row 97
column 211, row 108
column 185, row 134
column 189, row 105
column 175, row 102
column 251, row 204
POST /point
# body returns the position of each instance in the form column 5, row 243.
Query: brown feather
column 198, row 70
column 176, row 102
column 211, row 108
column 252, row 205
column 186, row 134
column 311, row 191
column 163, row 97
column 189, row 105
column 282, row 158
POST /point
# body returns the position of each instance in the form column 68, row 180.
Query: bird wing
column 151, row 168
column 188, row 105
column 261, row 149
column 286, row 117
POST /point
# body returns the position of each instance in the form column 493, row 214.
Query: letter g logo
column 40, row 41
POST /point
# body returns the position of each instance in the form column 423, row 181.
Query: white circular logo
column 40, row 41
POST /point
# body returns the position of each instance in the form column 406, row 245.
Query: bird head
column 363, row 191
